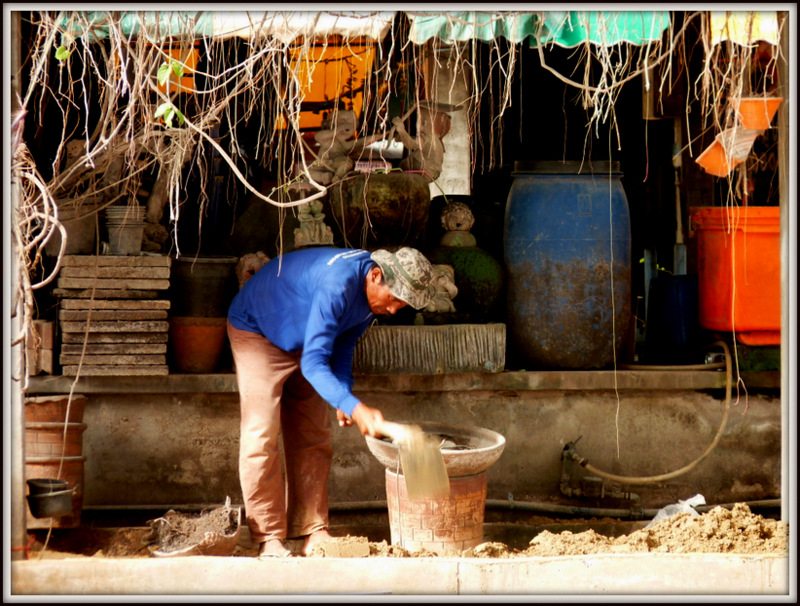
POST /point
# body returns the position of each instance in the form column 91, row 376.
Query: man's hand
column 368, row 420
column 344, row 420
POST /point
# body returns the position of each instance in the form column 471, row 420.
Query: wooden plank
column 112, row 283
column 103, row 315
column 114, row 304
column 113, row 360
column 115, row 337
column 100, row 294
column 145, row 326
column 106, row 271
column 122, row 371
column 114, row 348
column 116, row 261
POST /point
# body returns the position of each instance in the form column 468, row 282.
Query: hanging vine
column 124, row 117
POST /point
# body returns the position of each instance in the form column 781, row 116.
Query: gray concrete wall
column 181, row 448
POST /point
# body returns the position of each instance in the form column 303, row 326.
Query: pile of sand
column 720, row 530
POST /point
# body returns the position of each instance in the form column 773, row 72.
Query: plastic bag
column 680, row 507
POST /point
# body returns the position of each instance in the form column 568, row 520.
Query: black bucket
column 673, row 325
column 51, row 504
column 46, row 486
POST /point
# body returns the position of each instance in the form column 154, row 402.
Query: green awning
column 564, row 28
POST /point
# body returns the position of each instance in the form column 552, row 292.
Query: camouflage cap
column 408, row 275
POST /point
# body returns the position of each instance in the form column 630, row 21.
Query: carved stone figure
column 312, row 230
column 426, row 150
column 457, row 220
column 335, row 145
column 445, row 290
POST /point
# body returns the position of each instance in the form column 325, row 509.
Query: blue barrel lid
column 568, row 167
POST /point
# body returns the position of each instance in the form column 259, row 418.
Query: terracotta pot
column 715, row 161
column 54, row 439
column 197, row 343
column 757, row 112
column 53, row 409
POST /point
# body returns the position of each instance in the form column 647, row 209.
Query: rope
column 26, row 548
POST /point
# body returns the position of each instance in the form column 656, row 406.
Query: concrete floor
column 247, row 578
column 638, row 574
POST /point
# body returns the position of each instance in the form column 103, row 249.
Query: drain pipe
column 565, row 510
column 614, row 513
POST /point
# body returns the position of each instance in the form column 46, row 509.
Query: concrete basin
column 466, row 450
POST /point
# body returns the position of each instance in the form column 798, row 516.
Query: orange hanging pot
column 756, row 113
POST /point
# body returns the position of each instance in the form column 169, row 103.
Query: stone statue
column 445, row 290
column 457, row 220
column 479, row 277
column 312, row 230
column 426, row 150
column 335, row 145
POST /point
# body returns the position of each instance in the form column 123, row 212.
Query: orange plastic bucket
column 739, row 271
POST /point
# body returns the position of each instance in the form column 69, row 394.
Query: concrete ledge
column 634, row 574
column 431, row 350
column 575, row 380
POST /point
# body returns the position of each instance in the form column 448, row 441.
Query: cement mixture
column 720, row 530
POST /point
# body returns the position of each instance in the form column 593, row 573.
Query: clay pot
column 197, row 343
column 716, row 162
column 202, row 286
column 80, row 222
column 53, row 409
column 125, row 226
column 757, row 112
column 379, row 210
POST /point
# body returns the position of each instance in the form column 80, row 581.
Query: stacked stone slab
column 113, row 314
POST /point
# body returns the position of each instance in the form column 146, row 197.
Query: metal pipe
column 18, row 518
column 356, row 506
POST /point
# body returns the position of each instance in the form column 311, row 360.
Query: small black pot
column 39, row 486
column 52, row 504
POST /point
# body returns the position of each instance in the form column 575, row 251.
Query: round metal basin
column 466, row 450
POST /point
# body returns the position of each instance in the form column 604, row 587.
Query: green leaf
column 177, row 68
column 62, row 53
column 178, row 113
column 168, row 117
column 163, row 73
column 162, row 109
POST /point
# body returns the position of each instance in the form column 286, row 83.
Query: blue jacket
column 311, row 300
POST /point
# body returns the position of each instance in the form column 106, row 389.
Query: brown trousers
column 275, row 398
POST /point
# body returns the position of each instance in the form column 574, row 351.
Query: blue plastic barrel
column 567, row 250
